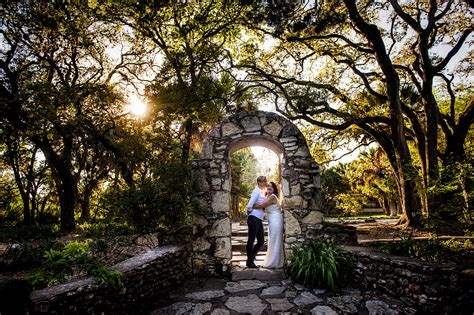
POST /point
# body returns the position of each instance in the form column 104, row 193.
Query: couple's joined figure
column 265, row 199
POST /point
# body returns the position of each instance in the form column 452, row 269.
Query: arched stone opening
column 299, row 181
column 262, row 142
column 239, row 229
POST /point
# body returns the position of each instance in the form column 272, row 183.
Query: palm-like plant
column 320, row 264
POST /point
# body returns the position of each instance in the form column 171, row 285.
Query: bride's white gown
column 274, row 256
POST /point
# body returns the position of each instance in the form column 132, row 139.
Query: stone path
column 268, row 291
column 273, row 296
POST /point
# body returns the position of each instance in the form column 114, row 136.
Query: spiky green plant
column 320, row 264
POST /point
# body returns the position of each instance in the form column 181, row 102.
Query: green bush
column 159, row 202
column 320, row 264
column 351, row 204
column 333, row 184
column 26, row 245
column 452, row 194
column 74, row 258
column 104, row 275
column 22, row 233
column 104, row 228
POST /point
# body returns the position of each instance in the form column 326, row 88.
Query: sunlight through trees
column 384, row 74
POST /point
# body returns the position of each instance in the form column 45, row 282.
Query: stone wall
column 428, row 287
column 144, row 276
column 300, row 183
column 341, row 234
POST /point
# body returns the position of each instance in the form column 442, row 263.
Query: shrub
column 320, row 264
column 26, row 245
column 351, row 204
column 22, row 233
column 159, row 202
column 104, row 228
column 74, row 258
column 333, row 184
column 452, row 194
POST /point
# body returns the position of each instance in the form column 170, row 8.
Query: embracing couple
column 265, row 199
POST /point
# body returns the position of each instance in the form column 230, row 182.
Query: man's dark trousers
column 255, row 226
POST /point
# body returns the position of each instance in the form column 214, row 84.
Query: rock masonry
column 145, row 277
column 430, row 288
column 300, row 184
column 276, row 297
column 380, row 284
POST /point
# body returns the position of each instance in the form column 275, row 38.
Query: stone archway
column 299, row 178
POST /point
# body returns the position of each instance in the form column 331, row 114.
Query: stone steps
column 261, row 274
column 239, row 243
column 241, row 247
column 239, row 258
column 239, row 234
column 241, row 229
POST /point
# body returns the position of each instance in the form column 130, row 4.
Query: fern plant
column 73, row 258
column 320, row 264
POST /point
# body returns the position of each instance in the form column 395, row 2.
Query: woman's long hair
column 275, row 188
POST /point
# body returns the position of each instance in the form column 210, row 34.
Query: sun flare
column 137, row 106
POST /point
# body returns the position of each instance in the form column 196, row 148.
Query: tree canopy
column 375, row 69
column 386, row 72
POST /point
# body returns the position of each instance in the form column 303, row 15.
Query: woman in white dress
column 274, row 256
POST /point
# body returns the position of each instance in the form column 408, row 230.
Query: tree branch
column 358, row 46
column 454, row 51
column 406, row 17
column 452, row 99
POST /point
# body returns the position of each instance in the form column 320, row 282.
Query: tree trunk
column 188, row 132
column 393, row 208
column 66, row 182
column 85, row 210
column 455, row 142
column 405, row 175
column 24, row 198
column 385, row 203
column 423, row 182
column 421, row 146
column 40, row 212
column 431, row 112
column 34, row 207
column 85, row 199
column 127, row 174
column 432, row 170
column 409, row 202
column 67, row 202
column 26, row 209
column 12, row 155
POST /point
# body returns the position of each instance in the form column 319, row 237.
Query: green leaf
column 319, row 264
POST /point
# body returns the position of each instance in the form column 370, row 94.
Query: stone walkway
column 267, row 293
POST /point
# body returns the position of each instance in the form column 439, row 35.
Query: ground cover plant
column 22, row 247
column 432, row 250
column 46, row 258
column 73, row 258
column 320, row 264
